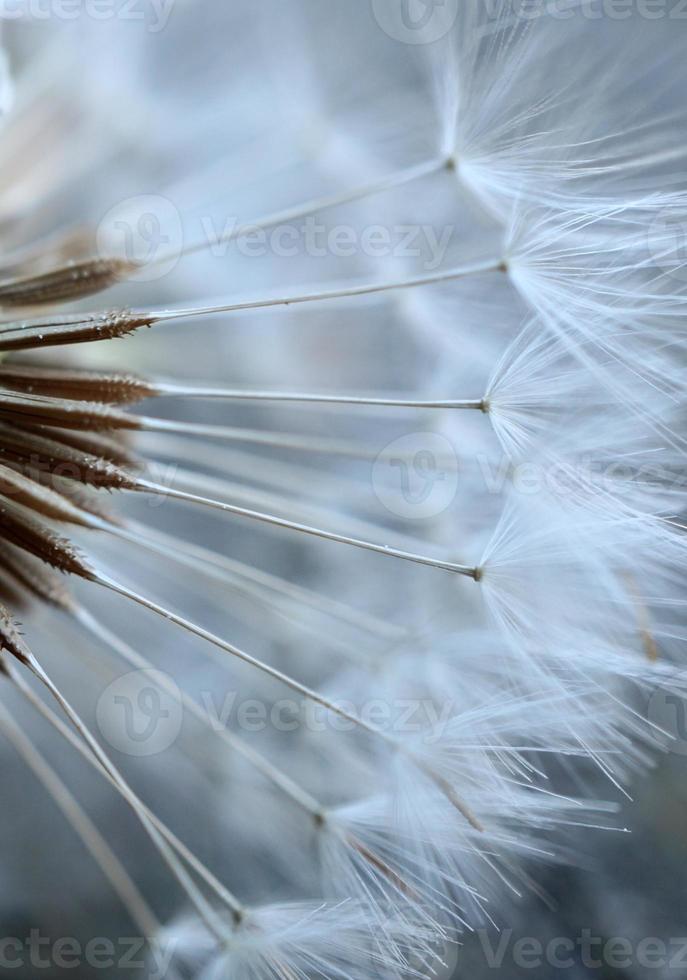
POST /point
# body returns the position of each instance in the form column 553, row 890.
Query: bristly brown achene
column 57, row 331
column 10, row 638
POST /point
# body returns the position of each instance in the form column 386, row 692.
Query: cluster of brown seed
column 62, row 435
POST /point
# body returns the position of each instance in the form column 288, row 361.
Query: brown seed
column 10, row 638
column 72, row 329
column 70, row 281
column 49, row 455
column 34, row 576
column 11, row 593
column 48, row 253
column 19, row 527
column 112, row 447
column 80, row 496
column 111, row 388
column 43, row 500
column 63, row 413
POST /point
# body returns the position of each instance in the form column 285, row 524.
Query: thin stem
column 286, row 215
column 145, row 486
column 319, row 512
column 344, row 292
column 164, row 388
column 227, row 647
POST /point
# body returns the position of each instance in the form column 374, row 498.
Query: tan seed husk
column 21, row 528
column 111, row 388
column 35, row 577
column 63, row 413
column 71, row 281
column 53, row 456
column 71, row 329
